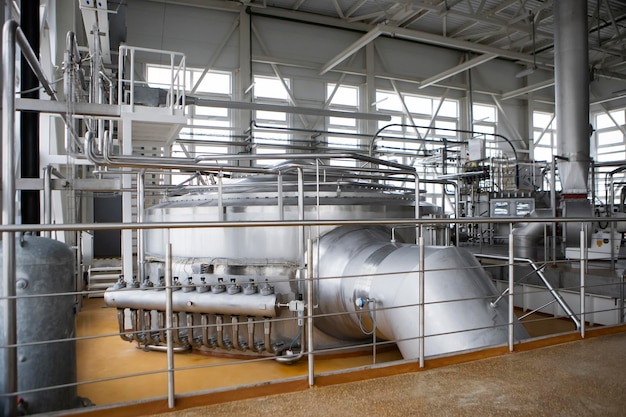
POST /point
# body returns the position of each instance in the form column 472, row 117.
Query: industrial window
column 544, row 136
column 415, row 135
column 485, row 120
column 270, row 135
column 610, row 137
column 346, row 99
column 609, row 146
column 415, row 118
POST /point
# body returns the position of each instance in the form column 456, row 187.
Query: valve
column 189, row 287
column 176, row 285
column 146, row 283
column 250, row 288
column 120, row 283
column 233, row 287
column 265, row 288
column 135, row 283
column 220, row 287
column 203, row 287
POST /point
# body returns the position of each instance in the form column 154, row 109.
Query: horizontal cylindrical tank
column 362, row 263
column 45, row 267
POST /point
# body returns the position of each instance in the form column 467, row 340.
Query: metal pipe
column 301, row 228
column 511, row 305
column 204, row 321
column 571, row 74
column 8, row 343
column 195, row 302
column 309, row 319
column 147, row 327
column 120, row 321
column 583, row 267
column 421, row 288
column 134, row 322
column 555, row 294
column 267, row 333
column 141, row 178
column 161, row 324
column 176, row 329
column 190, row 327
column 251, row 345
column 47, row 197
column 235, row 333
column 168, row 317
column 219, row 320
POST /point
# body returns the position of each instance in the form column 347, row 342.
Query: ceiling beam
column 528, row 89
column 364, row 40
column 458, row 69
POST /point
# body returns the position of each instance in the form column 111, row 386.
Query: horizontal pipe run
column 195, row 302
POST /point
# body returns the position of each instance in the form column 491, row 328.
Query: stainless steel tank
column 44, row 323
column 239, row 288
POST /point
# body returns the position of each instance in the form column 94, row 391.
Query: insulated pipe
column 571, row 75
column 526, row 236
column 195, row 302
column 357, row 262
column 141, row 178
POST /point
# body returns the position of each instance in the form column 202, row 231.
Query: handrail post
column 309, row 319
column 168, row 321
column 9, row 308
column 511, row 289
column 422, row 276
column 583, row 266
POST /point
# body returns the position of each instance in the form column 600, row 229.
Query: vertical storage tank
column 45, row 267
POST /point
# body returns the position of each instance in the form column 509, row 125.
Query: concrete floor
column 582, row 378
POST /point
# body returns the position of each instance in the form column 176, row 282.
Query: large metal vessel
column 241, row 288
column 46, row 353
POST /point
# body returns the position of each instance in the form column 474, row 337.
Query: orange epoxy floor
column 110, row 357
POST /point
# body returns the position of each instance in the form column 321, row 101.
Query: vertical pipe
column 29, row 121
column 511, row 289
column 9, row 310
column 132, row 80
column 220, row 199
column 571, row 75
column 583, row 266
column 301, row 228
column 309, row 319
column 168, row 320
column 553, row 204
column 621, row 299
column 47, row 197
column 141, row 205
column 281, row 209
column 120, row 78
column 422, row 277
column 417, row 204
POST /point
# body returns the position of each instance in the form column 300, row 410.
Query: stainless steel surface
column 46, row 350
column 362, row 263
column 194, row 302
column 8, row 382
column 571, row 74
column 527, row 236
